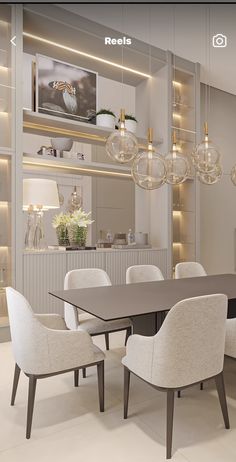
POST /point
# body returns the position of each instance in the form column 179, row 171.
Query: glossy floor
column 68, row 427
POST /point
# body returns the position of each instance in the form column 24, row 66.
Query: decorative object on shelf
column 105, row 118
column 206, row 156
column 212, row 177
column 130, row 123
column 62, row 144
column 77, row 228
column 65, row 90
column 39, row 195
column 120, row 239
column 60, row 223
column 30, row 229
column 130, row 237
column 177, row 166
column 46, row 151
column 80, row 156
column 75, row 201
column 121, row 145
column 148, row 169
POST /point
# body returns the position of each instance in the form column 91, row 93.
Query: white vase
column 131, row 125
column 105, row 120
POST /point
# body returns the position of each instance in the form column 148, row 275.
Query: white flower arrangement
column 62, row 219
column 80, row 218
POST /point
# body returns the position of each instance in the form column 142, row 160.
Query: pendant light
column 122, row 145
column 177, row 166
column 148, row 169
column 206, row 156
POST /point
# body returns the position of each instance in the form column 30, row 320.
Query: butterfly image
column 68, row 94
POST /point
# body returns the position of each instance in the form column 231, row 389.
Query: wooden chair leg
column 126, row 391
column 100, row 372
column 201, row 386
column 84, row 372
column 31, row 397
column 179, row 394
column 128, row 333
column 220, row 386
column 15, row 384
column 107, row 340
column 169, row 422
column 76, row 377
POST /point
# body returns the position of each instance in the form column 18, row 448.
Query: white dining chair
column 143, row 273
column 75, row 318
column 188, row 349
column 189, row 269
column 43, row 347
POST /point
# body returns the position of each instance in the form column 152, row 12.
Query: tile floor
column 67, row 425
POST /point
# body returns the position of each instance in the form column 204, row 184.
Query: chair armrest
column 68, row 349
column 139, row 356
column 52, row 321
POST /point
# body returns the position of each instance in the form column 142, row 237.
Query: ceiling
column 154, row 24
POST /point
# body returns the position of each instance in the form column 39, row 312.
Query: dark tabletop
column 116, row 302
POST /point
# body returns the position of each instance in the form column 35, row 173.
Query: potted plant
column 77, row 228
column 131, row 123
column 60, row 223
column 105, row 118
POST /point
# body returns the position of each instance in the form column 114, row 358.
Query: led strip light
column 86, row 55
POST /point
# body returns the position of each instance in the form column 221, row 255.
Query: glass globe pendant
column 148, row 169
column 210, row 178
column 206, row 156
column 121, row 145
column 177, row 166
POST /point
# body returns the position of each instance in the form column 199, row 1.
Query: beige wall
column 218, row 202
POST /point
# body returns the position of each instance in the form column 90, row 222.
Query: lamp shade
column 40, row 193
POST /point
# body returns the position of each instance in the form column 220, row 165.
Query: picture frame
column 65, row 90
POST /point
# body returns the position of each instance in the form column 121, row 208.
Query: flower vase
column 62, row 235
column 77, row 236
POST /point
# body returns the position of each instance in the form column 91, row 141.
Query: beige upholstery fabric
column 230, row 341
column 81, row 279
column 143, row 273
column 42, row 350
column 189, row 269
column 188, row 348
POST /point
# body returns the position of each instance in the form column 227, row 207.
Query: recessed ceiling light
column 86, row 55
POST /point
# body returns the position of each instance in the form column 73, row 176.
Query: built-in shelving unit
column 185, row 114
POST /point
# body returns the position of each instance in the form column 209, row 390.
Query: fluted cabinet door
column 42, row 273
column 89, row 259
column 154, row 257
column 117, row 263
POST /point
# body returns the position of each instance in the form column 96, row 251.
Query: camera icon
column 219, row 41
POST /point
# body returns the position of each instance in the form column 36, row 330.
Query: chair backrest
column 82, row 279
column 189, row 347
column 189, row 269
column 29, row 337
column 143, row 273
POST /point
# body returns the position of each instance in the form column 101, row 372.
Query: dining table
column 147, row 303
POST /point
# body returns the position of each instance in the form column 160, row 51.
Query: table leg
column 148, row 324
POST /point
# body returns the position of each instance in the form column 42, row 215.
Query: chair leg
column 76, row 377
column 100, row 372
column 107, row 340
column 84, row 372
column 31, row 397
column 169, row 422
column 201, row 386
column 128, row 333
column 126, row 391
column 15, row 384
column 220, row 386
column 179, row 394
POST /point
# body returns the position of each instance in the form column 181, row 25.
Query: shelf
column 75, row 166
column 51, row 126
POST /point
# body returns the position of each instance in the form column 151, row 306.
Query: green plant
column 105, row 111
column 130, row 117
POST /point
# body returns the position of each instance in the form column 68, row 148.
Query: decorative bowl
column 62, row 144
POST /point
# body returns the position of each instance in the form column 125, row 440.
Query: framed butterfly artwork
column 65, row 90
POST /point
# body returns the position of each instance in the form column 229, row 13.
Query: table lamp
column 39, row 195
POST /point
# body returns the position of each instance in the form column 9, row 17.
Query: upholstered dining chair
column 189, row 269
column 143, row 273
column 43, row 347
column 75, row 318
column 188, row 349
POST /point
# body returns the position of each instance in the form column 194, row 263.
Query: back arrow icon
column 13, row 41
